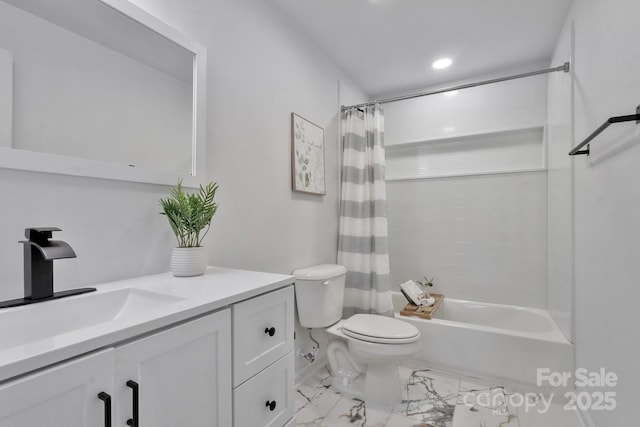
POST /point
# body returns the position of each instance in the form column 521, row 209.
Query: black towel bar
column 610, row 120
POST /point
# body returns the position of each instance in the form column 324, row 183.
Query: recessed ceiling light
column 451, row 93
column 441, row 63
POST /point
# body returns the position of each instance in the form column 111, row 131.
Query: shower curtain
column 362, row 241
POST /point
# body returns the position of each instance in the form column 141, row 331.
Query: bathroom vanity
column 213, row 350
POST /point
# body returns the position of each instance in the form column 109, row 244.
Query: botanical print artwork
column 308, row 156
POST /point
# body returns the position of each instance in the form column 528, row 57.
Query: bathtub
column 503, row 342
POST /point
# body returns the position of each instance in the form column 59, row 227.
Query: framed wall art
column 307, row 156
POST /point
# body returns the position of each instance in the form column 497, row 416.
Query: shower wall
column 481, row 238
column 467, row 191
column 560, row 198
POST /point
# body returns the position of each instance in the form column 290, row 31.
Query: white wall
column 495, row 152
column 113, row 227
column 513, row 104
column 6, row 97
column 479, row 233
column 560, row 190
column 481, row 238
column 607, row 202
column 260, row 70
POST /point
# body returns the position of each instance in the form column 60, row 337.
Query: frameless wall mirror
column 100, row 88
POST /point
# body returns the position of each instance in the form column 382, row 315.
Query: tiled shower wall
column 481, row 238
column 561, row 194
column 473, row 213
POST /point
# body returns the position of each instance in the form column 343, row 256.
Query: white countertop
column 216, row 289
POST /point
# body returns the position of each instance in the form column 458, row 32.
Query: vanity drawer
column 262, row 332
column 267, row 398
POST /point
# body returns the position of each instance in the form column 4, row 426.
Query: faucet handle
column 40, row 234
column 50, row 249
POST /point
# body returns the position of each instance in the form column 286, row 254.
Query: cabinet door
column 63, row 395
column 267, row 398
column 183, row 375
column 263, row 332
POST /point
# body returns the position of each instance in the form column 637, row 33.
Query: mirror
column 99, row 88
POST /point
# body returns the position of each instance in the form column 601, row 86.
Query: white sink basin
column 22, row 325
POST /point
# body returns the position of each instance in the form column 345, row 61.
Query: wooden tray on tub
column 411, row 310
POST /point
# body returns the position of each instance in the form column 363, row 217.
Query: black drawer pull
column 271, row 405
column 271, row 331
column 135, row 421
column 107, row 407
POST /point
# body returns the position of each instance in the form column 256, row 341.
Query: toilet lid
column 380, row 329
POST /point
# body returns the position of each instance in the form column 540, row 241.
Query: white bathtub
column 492, row 340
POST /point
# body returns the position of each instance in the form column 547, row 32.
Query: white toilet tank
column 320, row 294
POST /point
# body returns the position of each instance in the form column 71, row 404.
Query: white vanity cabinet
column 218, row 352
column 263, row 360
column 63, row 395
column 179, row 376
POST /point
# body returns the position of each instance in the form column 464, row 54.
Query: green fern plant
column 190, row 214
column 428, row 283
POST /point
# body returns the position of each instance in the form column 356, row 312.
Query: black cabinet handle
column 135, row 421
column 107, row 407
column 271, row 405
column 271, row 331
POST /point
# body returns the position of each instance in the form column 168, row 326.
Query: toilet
column 364, row 350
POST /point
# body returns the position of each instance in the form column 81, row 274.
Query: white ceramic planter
column 187, row 262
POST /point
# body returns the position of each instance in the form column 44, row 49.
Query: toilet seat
column 380, row 329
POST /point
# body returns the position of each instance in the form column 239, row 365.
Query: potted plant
column 429, row 299
column 190, row 218
column 428, row 283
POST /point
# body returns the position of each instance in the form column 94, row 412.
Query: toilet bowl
column 364, row 350
column 375, row 346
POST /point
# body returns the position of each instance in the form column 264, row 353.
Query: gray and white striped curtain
column 362, row 242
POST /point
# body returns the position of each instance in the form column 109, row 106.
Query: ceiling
column 387, row 46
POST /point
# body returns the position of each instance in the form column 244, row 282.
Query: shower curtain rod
column 564, row 67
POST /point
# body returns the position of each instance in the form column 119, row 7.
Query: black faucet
column 39, row 253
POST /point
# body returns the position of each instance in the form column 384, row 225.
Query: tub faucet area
column 39, row 253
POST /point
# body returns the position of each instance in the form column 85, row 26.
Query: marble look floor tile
column 318, row 422
column 482, row 417
column 322, row 378
column 429, row 397
column 549, row 415
column 396, row 420
column 353, row 412
column 313, row 403
column 479, row 404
